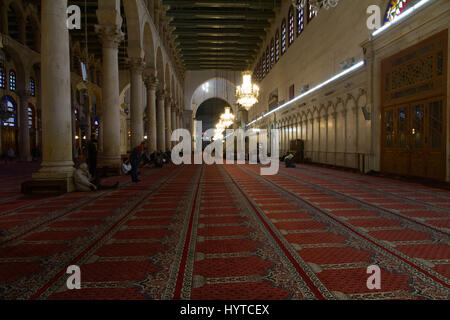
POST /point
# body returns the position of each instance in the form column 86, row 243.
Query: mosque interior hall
column 224, row 150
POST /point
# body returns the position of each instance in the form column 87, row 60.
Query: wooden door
column 413, row 121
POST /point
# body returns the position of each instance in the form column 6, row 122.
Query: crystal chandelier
column 227, row 118
column 218, row 133
column 247, row 93
column 315, row 4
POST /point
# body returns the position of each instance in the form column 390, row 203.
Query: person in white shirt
column 84, row 182
column 126, row 166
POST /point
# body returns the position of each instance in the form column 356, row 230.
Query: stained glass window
column 261, row 69
column 30, row 117
column 2, row 78
column 396, row 8
column 277, row 46
column 291, row 26
column 311, row 13
column 11, row 106
column 32, row 87
column 12, row 80
column 300, row 21
column 264, row 66
column 283, row 37
column 267, row 60
column 272, row 53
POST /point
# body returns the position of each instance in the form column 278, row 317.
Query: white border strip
column 336, row 77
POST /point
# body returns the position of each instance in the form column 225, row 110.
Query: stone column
column 152, row 85
column 110, row 36
column 57, row 163
column 161, row 121
column 136, row 108
column 168, row 122
column 174, row 120
column 24, row 145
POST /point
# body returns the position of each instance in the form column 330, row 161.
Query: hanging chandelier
column 247, row 94
column 315, row 4
column 227, row 118
column 218, row 132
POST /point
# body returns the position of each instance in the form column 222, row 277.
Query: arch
column 225, row 91
column 149, row 47
column 134, row 34
column 218, row 110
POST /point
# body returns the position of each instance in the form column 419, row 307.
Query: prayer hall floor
column 225, row 232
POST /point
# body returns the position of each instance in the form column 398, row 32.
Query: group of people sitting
column 157, row 158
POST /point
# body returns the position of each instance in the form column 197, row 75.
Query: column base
column 110, row 167
column 50, row 180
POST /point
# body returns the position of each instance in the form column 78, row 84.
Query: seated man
column 84, row 182
column 289, row 161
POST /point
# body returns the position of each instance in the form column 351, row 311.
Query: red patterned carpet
column 225, row 232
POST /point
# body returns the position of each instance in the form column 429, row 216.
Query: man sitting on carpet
column 84, row 182
column 289, row 161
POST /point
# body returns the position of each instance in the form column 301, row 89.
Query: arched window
column 264, row 66
column 267, row 59
column 395, row 8
column 272, row 53
column 12, row 80
column 311, row 13
column 291, row 26
column 300, row 20
column 277, row 46
column 12, row 108
column 2, row 77
column 31, row 116
column 283, row 37
column 32, row 87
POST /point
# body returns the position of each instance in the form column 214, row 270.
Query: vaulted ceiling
column 220, row 34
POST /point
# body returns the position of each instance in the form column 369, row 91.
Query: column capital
column 136, row 64
column 151, row 82
column 160, row 94
column 110, row 35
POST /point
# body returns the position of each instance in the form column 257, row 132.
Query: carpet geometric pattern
column 225, row 232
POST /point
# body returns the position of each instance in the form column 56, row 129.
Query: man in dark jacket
column 92, row 155
column 135, row 159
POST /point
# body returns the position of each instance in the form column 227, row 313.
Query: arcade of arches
column 371, row 186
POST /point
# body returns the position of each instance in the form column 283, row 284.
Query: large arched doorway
column 209, row 114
